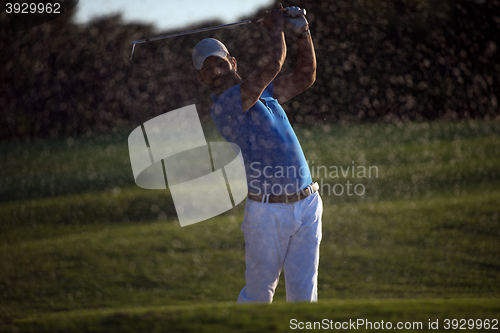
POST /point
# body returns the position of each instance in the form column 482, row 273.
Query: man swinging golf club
column 282, row 224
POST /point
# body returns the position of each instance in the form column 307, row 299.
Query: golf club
column 185, row 33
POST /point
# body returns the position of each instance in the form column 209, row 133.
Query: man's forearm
column 305, row 62
column 304, row 71
column 275, row 57
column 270, row 64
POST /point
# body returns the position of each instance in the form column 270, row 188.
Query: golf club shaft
column 185, row 33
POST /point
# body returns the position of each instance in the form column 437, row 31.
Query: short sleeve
column 227, row 112
column 269, row 91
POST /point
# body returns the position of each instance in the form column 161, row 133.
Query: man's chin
column 218, row 89
column 225, row 83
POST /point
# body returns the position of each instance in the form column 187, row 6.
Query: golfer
column 282, row 224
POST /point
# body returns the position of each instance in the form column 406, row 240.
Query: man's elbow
column 270, row 65
column 274, row 66
column 312, row 78
column 308, row 80
column 309, row 74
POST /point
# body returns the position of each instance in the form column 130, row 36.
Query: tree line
column 378, row 60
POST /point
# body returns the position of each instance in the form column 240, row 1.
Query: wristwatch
column 304, row 34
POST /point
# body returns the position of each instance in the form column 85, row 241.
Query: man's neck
column 234, row 82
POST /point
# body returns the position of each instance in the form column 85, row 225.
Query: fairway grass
column 83, row 249
column 344, row 315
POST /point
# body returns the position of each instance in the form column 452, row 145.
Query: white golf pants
column 282, row 236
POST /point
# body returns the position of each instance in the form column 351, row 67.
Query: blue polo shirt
column 274, row 161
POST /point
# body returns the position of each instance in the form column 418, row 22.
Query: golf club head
column 133, row 49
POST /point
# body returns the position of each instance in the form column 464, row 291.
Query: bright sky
column 168, row 14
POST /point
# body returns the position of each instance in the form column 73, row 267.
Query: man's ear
column 234, row 64
column 200, row 79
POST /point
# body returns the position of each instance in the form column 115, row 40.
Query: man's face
column 218, row 74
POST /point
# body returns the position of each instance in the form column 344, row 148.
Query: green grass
column 279, row 317
column 84, row 249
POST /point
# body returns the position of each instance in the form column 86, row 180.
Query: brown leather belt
column 285, row 198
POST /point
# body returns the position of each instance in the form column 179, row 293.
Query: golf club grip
column 302, row 12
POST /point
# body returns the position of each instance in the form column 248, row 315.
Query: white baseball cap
column 206, row 48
